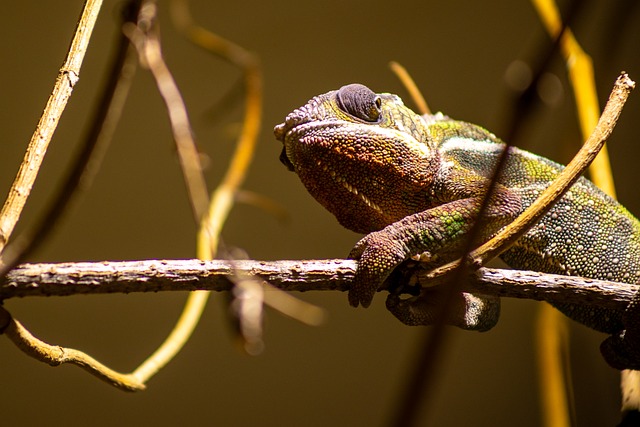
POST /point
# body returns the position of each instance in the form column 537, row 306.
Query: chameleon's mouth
column 280, row 131
column 292, row 125
column 284, row 159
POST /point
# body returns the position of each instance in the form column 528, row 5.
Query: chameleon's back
column 586, row 233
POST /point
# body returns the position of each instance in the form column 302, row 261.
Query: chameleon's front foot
column 377, row 255
column 464, row 310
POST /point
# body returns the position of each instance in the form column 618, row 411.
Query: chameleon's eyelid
column 359, row 102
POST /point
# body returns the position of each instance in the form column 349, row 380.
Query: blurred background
column 350, row 370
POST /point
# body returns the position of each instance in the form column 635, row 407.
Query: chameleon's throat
column 351, row 188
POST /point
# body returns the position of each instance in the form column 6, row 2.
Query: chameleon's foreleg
column 438, row 232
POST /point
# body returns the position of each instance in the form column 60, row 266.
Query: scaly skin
column 415, row 184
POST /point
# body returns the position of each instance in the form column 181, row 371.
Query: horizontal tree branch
column 63, row 279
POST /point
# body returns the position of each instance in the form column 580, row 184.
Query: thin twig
column 580, row 68
column 146, row 39
column 68, row 76
column 55, row 355
column 94, row 278
column 411, row 87
column 223, row 197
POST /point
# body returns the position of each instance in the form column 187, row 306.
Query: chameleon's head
column 364, row 156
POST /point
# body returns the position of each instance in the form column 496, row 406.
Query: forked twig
column 146, row 40
column 145, row 37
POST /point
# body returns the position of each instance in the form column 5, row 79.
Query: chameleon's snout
column 279, row 131
column 296, row 117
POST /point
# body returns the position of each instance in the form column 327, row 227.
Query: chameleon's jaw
column 281, row 131
column 291, row 134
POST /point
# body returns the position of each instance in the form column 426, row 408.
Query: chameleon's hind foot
column 467, row 311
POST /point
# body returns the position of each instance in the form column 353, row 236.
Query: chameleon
column 414, row 185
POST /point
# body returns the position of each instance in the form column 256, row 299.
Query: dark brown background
column 349, row 371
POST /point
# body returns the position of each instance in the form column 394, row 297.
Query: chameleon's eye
column 360, row 102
